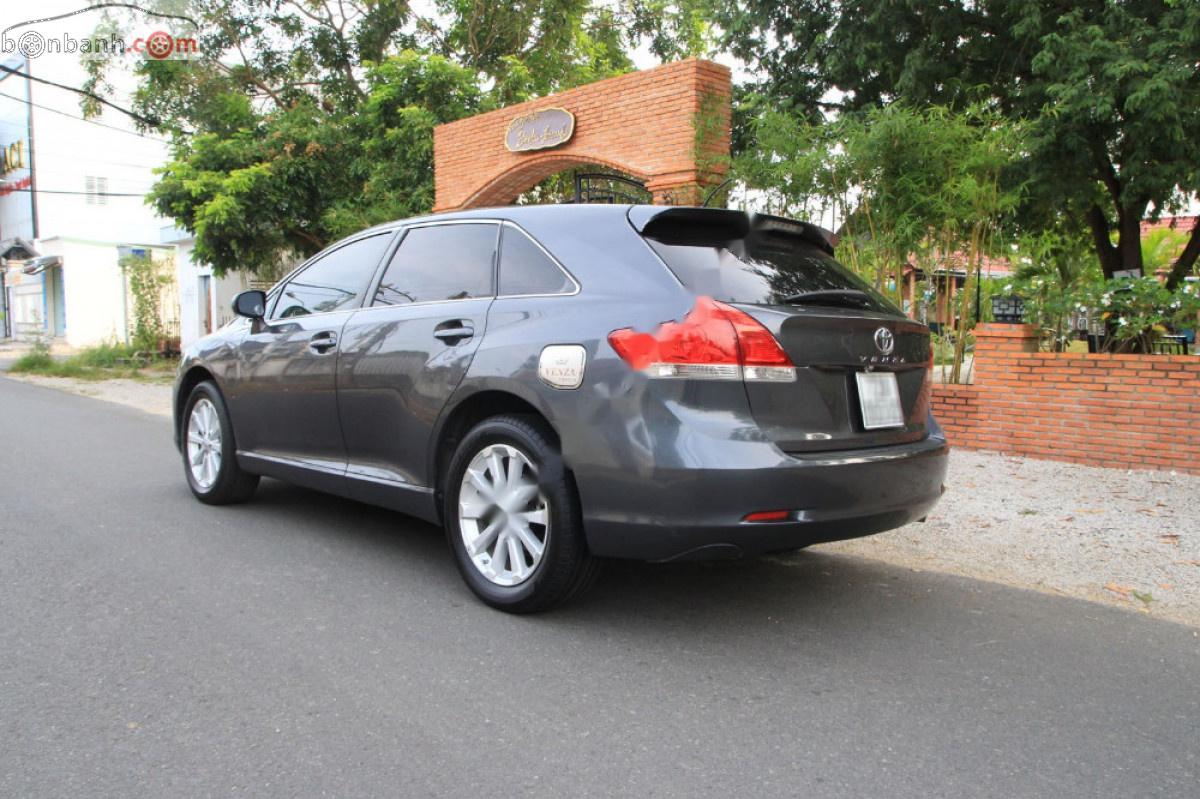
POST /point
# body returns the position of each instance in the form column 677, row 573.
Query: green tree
column 287, row 183
column 1053, row 267
column 1110, row 90
column 906, row 183
column 530, row 47
column 672, row 29
column 305, row 120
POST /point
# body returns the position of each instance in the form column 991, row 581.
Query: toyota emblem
column 885, row 341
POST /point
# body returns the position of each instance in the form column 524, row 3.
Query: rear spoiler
column 716, row 227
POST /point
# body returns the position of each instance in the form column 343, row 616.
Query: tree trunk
column 1110, row 257
column 1186, row 260
column 974, row 258
column 1129, row 241
column 1126, row 254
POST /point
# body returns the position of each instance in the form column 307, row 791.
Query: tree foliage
column 305, row 120
column 907, row 183
column 1110, row 91
column 289, row 182
column 1054, row 267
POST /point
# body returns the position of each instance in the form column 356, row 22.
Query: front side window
column 334, row 281
column 440, row 262
column 526, row 269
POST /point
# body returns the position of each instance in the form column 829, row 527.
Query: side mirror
column 251, row 304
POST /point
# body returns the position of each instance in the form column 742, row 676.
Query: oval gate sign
column 540, row 130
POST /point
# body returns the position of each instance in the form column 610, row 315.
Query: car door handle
column 322, row 343
column 454, row 330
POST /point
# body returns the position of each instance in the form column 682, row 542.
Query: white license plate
column 879, row 397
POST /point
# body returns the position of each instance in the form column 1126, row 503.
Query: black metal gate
column 599, row 187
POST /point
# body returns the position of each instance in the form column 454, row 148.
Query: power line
column 99, row 7
column 84, row 119
column 4, row 191
column 83, row 93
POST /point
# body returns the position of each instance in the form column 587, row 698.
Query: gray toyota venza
column 558, row 385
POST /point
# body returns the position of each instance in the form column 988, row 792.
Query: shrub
column 106, row 356
column 34, row 361
column 1136, row 311
column 146, row 280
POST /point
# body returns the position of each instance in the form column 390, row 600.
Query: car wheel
column 209, row 451
column 512, row 517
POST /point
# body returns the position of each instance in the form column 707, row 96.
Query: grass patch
column 102, row 362
column 107, row 356
column 34, row 361
column 1079, row 347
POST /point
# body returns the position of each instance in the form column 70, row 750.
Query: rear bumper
column 696, row 513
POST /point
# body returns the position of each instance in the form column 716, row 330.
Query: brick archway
column 504, row 187
column 668, row 127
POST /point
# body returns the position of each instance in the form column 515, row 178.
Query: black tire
column 566, row 568
column 232, row 484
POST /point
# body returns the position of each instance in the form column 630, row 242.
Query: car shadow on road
column 808, row 589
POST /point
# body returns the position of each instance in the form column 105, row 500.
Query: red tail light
column 713, row 342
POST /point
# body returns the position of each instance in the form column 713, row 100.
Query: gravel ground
column 1120, row 537
column 1129, row 538
column 150, row 396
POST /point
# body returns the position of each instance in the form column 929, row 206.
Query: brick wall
column 1122, row 411
column 642, row 123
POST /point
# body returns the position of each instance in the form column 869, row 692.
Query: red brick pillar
column 688, row 192
column 668, row 127
column 998, row 346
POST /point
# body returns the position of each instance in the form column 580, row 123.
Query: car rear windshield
column 769, row 269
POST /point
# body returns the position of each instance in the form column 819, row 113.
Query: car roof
column 518, row 213
column 638, row 215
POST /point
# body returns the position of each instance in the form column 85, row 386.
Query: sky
column 60, row 67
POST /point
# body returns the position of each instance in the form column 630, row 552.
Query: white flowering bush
column 1138, row 310
column 1050, row 306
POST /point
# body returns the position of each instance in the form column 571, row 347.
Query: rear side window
column 440, row 262
column 526, row 269
column 334, row 281
column 769, row 269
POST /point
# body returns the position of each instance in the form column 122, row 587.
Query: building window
column 96, row 189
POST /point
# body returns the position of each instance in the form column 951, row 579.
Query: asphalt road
column 302, row 645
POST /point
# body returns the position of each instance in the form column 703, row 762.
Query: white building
column 75, row 188
column 205, row 300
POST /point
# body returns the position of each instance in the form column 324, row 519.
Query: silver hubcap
column 204, row 444
column 504, row 520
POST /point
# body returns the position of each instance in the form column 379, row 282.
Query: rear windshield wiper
column 852, row 297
